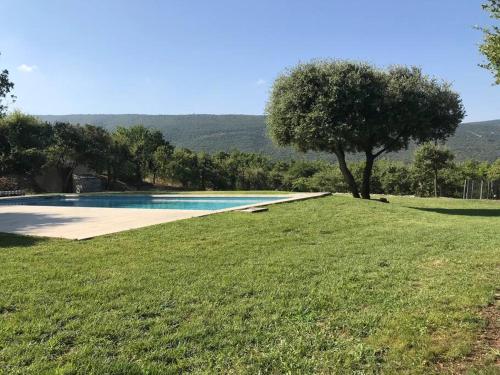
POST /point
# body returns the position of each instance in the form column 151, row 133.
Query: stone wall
column 86, row 183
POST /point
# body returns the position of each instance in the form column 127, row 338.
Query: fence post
column 481, row 193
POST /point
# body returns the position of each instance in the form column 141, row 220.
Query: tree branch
column 380, row 152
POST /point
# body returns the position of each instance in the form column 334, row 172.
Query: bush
column 14, row 182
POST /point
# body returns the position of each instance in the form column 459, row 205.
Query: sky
column 221, row 56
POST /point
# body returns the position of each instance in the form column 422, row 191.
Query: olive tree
column 161, row 158
column 351, row 107
column 430, row 159
column 142, row 143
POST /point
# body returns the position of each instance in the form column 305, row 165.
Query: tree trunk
column 348, row 177
column 435, row 182
column 108, row 177
column 138, row 173
column 367, row 174
column 202, row 180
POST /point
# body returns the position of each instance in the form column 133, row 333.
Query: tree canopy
column 429, row 160
column 6, row 87
column 23, row 139
column 344, row 106
column 142, row 143
column 490, row 47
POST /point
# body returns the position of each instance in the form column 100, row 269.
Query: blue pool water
column 141, row 201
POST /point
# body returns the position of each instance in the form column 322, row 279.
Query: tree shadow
column 17, row 240
column 14, row 225
column 480, row 212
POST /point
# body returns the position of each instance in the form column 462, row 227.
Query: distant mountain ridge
column 211, row 133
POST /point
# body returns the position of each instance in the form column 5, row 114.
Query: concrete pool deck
column 78, row 223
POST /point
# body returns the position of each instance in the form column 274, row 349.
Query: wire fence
column 481, row 189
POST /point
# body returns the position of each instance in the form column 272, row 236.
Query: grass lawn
column 330, row 285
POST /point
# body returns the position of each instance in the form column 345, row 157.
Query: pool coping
column 156, row 216
column 290, row 197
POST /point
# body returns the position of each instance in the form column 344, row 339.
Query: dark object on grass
column 383, row 263
column 384, row 200
column 253, row 210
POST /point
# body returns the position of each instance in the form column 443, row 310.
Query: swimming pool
column 210, row 203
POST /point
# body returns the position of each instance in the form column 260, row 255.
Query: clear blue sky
column 173, row 57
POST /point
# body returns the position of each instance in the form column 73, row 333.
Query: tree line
column 28, row 145
column 137, row 154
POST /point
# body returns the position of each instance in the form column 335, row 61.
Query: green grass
column 325, row 285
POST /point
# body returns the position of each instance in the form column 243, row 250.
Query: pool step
column 253, row 210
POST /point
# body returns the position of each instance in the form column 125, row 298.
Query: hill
column 475, row 140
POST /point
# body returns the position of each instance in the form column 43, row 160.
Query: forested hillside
column 479, row 140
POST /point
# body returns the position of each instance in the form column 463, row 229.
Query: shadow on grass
column 16, row 240
column 481, row 212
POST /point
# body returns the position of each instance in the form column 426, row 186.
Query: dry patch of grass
column 484, row 356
